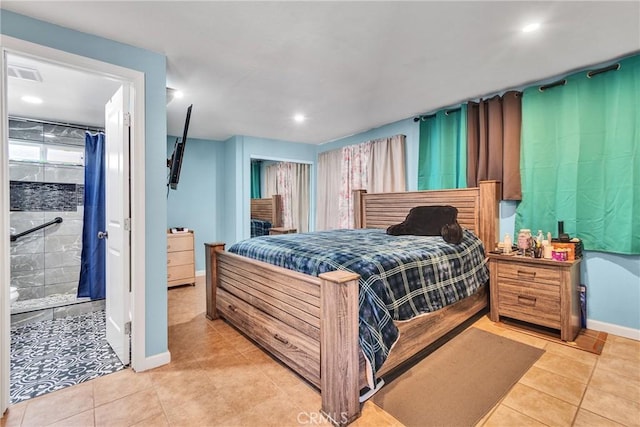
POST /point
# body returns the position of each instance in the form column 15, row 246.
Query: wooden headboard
column 478, row 208
column 268, row 209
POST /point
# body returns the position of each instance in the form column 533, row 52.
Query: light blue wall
column 613, row 288
column 218, row 206
column 154, row 67
column 403, row 127
column 233, row 188
column 197, row 202
column 612, row 280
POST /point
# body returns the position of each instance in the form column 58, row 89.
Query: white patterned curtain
column 283, row 186
column 354, row 173
column 328, row 189
column 387, row 165
column 299, row 204
column 376, row 166
column 291, row 182
column 269, row 186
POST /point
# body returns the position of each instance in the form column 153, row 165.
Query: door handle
column 103, row 234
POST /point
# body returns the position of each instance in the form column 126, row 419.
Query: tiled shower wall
column 46, row 262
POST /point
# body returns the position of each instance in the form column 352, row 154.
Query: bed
column 266, row 213
column 312, row 323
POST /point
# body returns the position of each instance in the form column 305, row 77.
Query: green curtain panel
column 256, row 171
column 580, row 159
column 442, row 151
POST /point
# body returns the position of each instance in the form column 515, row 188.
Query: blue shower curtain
column 92, row 262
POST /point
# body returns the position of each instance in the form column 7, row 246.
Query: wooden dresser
column 538, row 291
column 181, row 267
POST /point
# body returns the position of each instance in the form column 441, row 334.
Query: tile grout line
column 585, row 392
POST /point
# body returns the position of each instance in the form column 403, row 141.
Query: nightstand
column 281, row 230
column 539, row 291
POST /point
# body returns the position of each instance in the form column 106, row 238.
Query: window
column 46, row 153
column 25, row 152
column 65, row 155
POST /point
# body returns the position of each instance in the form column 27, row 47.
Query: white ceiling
column 68, row 95
column 248, row 67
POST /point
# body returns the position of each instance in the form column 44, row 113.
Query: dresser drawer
column 529, row 273
column 535, row 303
column 179, row 242
column 180, row 272
column 179, row 258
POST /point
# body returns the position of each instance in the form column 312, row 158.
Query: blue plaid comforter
column 400, row 276
column 260, row 227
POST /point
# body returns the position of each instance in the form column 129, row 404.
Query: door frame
column 136, row 80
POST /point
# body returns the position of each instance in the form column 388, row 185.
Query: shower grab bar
column 56, row 220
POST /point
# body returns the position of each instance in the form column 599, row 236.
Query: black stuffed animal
column 430, row 221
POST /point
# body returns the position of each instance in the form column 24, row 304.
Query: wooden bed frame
column 268, row 209
column 311, row 323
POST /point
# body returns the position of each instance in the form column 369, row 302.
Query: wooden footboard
column 293, row 316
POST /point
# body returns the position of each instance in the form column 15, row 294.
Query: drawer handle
column 283, row 340
column 233, row 308
column 527, row 273
column 524, row 300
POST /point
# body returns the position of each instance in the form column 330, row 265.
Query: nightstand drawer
column 529, row 273
column 538, row 304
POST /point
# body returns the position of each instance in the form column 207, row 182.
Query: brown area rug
column 458, row 383
column 587, row 339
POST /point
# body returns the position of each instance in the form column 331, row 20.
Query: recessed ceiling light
column 178, row 94
column 531, row 27
column 299, row 118
column 32, row 99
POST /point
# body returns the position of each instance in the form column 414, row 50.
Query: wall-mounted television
column 174, row 163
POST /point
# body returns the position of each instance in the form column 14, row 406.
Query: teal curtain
column 442, row 153
column 256, row 172
column 580, row 160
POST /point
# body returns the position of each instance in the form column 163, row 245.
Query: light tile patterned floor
column 219, row 378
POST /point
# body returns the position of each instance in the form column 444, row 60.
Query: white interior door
column 117, row 219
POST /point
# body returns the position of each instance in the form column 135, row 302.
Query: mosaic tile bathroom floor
column 54, row 354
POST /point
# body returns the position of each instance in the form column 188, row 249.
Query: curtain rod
column 614, row 67
column 590, row 74
column 48, row 122
column 428, row 116
column 554, row 84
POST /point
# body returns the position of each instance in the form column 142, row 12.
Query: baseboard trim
column 201, row 273
column 610, row 328
column 155, row 361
